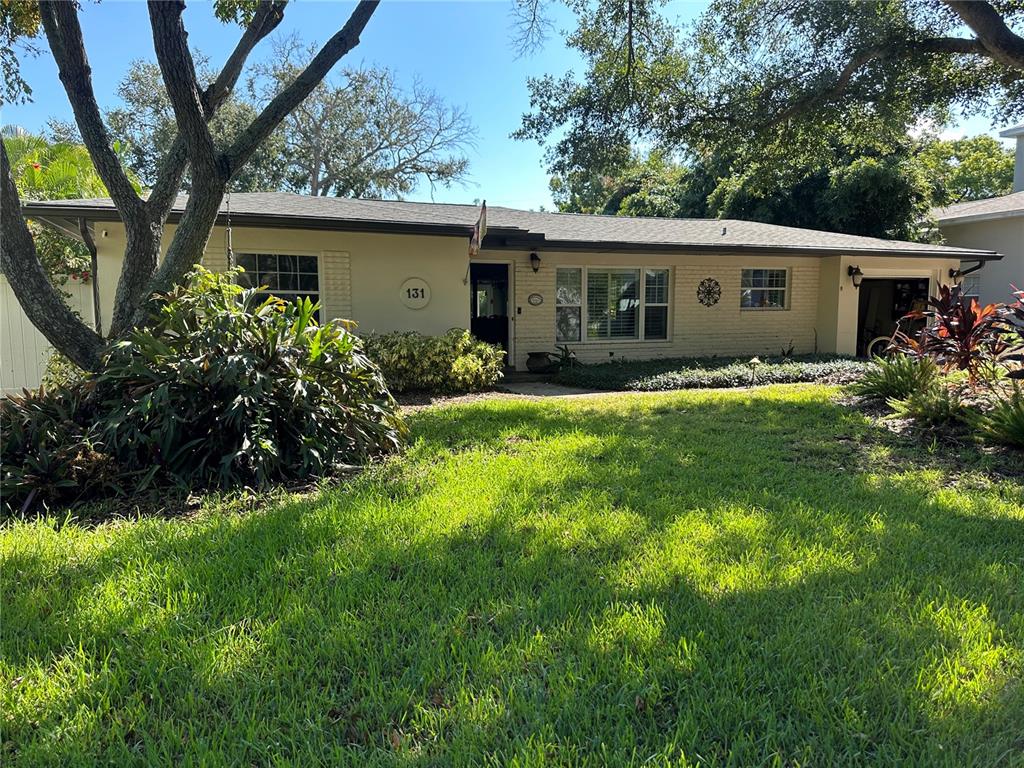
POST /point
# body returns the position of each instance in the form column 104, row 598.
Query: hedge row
column 710, row 373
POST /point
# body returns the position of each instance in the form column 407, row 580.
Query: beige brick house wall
column 361, row 275
column 694, row 330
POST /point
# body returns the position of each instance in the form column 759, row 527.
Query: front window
column 599, row 304
column 568, row 304
column 285, row 276
column 613, row 297
column 763, row 289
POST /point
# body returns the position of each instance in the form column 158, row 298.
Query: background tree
column 770, row 87
column 50, row 169
column 356, row 135
column 145, row 125
column 967, row 169
column 860, row 190
column 212, row 167
column 360, row 134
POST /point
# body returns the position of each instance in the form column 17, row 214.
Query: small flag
column 479, row 231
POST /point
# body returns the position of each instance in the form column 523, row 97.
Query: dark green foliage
column 452, row 363
column 708, row 373
column 224, row 388
column 802, row 109
column 897, row 377
column 48, row 450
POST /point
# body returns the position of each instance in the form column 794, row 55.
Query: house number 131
column 415, row 293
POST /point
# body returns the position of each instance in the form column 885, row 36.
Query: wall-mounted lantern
column 535, row 261
column 856, row 274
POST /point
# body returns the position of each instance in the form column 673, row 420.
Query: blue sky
column 460, row 49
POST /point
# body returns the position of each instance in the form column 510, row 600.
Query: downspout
column 83, row 227
column 957, row 274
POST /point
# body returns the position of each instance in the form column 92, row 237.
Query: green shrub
column 1004, row 421
column 940, row 403
column 897, row 377
column 60, row 371
column 454, row 362
column 700, row 373
column 222, row 388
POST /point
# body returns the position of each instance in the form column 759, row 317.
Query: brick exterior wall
column 694, row 330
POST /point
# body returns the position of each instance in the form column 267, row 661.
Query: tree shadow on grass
column 575, row 584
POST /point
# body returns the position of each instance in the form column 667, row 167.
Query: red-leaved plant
column 960, row 334
column 1014, row 329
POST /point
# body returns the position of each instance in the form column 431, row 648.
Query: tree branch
column 999, row 41
column 952, row 45
column 268, row 16
column 281, row 105
column 179, row 72
column 204, row 202
column 64, row 34
column 41, row 302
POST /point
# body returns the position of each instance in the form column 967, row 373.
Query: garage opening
column 883, row 304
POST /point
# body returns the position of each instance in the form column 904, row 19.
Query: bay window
column 611, row 304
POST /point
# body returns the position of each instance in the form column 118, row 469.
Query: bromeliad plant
column 1014, row 330
column 227, row 386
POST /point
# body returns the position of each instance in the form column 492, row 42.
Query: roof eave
column 797, row 250
column 53, row 213
column 970, row 218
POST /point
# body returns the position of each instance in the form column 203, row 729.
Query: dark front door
column 488, row 299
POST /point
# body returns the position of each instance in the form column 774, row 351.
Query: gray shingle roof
column 979, row 210
column 509, row 225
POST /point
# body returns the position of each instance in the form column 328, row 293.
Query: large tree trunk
column 144, row 220
column 42, row 303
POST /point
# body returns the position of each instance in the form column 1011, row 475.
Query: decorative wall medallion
column 414, row 293
column 535, row 299
column 709, row 292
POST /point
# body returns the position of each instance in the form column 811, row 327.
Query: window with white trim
column 655, row 304
column 764, row 289
column 286, row 276
column 611, row 304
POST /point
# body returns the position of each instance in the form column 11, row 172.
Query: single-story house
column 996, row 223
column 608, row 287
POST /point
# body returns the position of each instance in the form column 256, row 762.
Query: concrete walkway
column 545, row 389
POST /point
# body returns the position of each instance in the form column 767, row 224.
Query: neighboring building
column 607, row 286
column 993, row 224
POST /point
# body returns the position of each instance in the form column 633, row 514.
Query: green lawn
column 697, row 578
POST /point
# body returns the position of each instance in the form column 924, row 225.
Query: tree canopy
column 764, row 90
column 844, row 191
